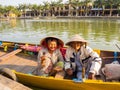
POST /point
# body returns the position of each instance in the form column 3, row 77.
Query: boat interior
column 25, row 61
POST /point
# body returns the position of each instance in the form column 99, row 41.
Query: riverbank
column 65, row 17
column 72, row 17
column 88, row 17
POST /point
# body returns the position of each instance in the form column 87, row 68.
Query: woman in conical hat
column 81, row 59
column 44, row 41
column 50, row 59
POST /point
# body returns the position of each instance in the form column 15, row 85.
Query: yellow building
column 11, row 15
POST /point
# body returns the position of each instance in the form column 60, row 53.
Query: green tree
column 23, row 8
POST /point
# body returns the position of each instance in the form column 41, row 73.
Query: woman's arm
column 97, row 61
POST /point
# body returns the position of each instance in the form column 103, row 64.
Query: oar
column 117, row 46
column 115, row 61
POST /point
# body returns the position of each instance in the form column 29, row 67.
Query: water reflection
column 12, row 22
column 101, row 34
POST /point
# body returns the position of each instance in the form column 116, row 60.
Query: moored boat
column 64, row 84
column 23, row 63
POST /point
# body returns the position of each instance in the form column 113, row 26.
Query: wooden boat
column 23, row 63
column 8, row 84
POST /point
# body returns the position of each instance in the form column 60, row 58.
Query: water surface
column 100, row 33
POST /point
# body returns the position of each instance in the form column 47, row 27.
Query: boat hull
column 64, row 84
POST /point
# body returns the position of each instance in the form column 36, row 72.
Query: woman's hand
column 42, row 61
column 42, row 58
column 57, row 68
column 69, row 71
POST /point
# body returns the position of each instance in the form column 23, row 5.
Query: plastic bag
column 111, row 71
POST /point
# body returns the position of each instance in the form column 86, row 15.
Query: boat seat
column 10, row 54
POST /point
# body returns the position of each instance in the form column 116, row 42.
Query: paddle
column 115, row 61
column 117, row 46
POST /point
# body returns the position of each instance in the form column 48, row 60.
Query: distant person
column 81, row 60
column 50, row 59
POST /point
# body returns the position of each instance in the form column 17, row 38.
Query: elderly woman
column 50, row 59
column 81, row 59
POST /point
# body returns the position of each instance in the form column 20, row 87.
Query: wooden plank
column 30, row 67
column 10, row 54
column 20, row 63
column 1, row 46
column 2, row 53
column 12, row 63
column 112, row 57
column 12, row 85
column 4, row 87
column 25, row 65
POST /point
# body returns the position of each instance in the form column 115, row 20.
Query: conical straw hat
column 76, row 38
column 44, row 43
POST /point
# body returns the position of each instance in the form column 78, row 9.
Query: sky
column 17, row 2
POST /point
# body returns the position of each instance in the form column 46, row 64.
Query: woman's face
column 52, row 45
column 76, row 45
